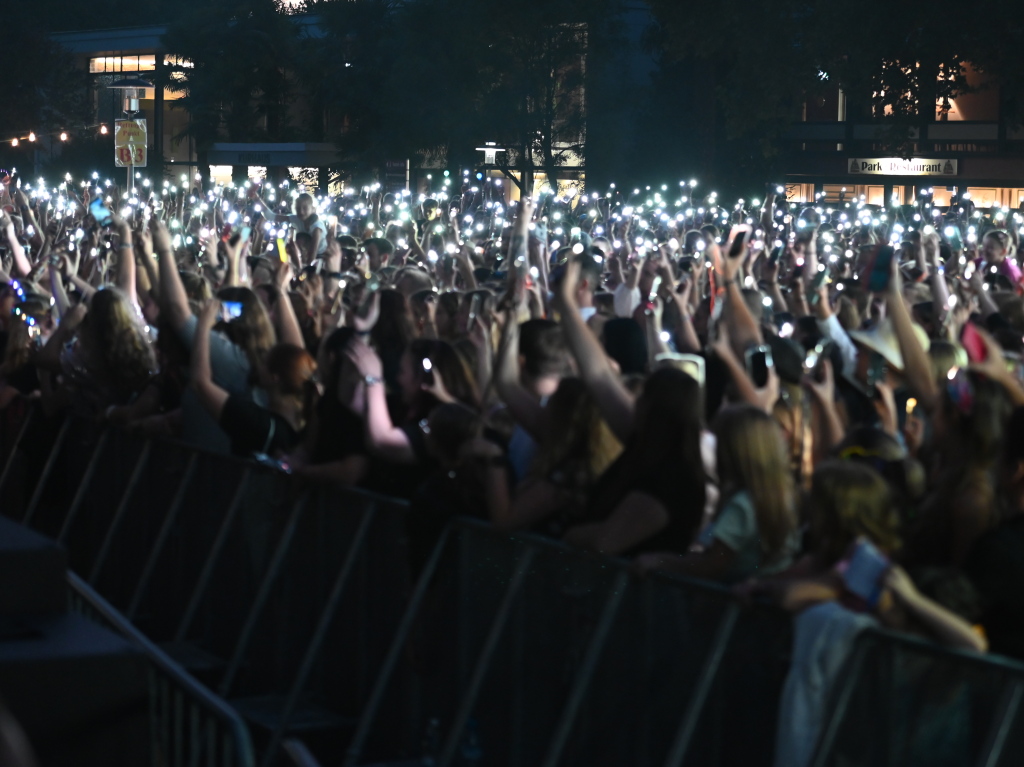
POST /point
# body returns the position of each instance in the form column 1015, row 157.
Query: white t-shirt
column 308, row 226
column 626, row 300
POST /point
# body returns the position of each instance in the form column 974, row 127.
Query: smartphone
column 691, row 364
column 759, row 362
column 881, row 269
column 862, row 572
column 474, row 308
column 876, row 370
column 233, row 309
column 973, row 343
column 812, row 359
column 428, row 372
column 738, row 237
column 686, row 264
column 281, row 252
column 100, row 212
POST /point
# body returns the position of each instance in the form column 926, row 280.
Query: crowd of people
column 817, row 403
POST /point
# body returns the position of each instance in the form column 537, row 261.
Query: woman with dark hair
column 969, row 424
column 430, row 373
column 334, row 450
column 652, row 497
column 575, row 450
column 392, row 332
column 273, row 430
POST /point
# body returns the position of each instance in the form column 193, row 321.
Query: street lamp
column 131, row 91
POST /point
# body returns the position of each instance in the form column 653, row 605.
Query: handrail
column 244, row 754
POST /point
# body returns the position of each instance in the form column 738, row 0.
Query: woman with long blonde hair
column 755, row 529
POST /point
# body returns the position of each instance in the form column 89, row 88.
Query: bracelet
column 124, row 245
column 371, row 380
column 363, row 332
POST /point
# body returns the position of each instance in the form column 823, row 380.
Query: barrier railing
column 298, row 606
column 535, row 652
column 188, row 723
column 903, row 701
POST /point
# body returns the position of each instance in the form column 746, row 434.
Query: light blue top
column 736, row 527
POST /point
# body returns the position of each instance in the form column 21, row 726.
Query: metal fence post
column 838, row 713
column 483, row 661
column 83, row 486
column 586, row 670
column 162, row 536
column 1001, row 726
column 262, row 595
column 319, row 635
column 211, row 560
column 14, row 447
column 47, row 468
column 677, row 753
column 122, row 509
column 355, row 747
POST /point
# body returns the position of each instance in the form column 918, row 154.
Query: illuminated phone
column 428, row 372
column 100, row 212
column 863, row 571
column 738, row 239
column 281, row 252
column 233, row 309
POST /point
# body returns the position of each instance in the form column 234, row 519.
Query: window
column 118, row 64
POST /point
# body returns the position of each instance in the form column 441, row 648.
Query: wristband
column 371, row 380
column 124, row 245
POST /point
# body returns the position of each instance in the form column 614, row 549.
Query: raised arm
column 210, row 394
column 22, row 267
column 126, row 260
column 383, row 438
column 525, row 409
column 288, row 330
column 173, row 298
column 612, row 397
column 916, row 366
column 743, row 328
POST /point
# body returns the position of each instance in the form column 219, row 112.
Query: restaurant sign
column 895, row 166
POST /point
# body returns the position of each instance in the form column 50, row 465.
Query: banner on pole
column 130, row 140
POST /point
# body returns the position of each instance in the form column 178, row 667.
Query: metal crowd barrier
column 280, row 598
column 300, row 608
column 904, row 702
column 188, row 724
column 545, row 655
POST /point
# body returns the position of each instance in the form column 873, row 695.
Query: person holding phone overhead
column 253, row 429
column 305, row 220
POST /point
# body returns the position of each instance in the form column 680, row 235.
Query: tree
column 40, row 88
column 234, row 64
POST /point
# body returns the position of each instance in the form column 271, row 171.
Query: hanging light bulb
column 31, row 136
column 14, row 142
column 63, row 136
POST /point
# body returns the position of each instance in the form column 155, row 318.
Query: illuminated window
column 118, row 64
column 220, row 174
